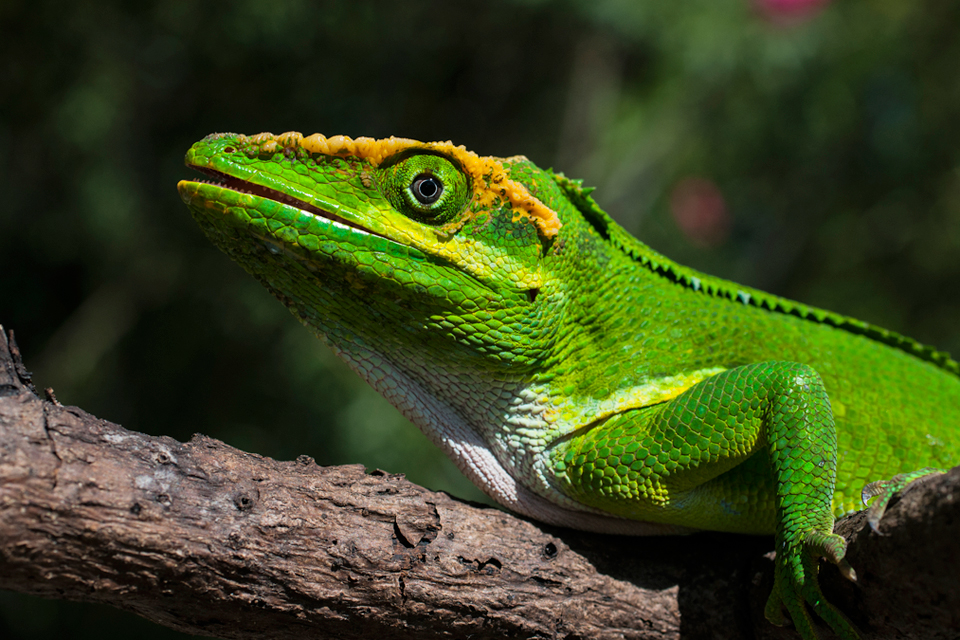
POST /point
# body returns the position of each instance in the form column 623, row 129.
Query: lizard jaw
column 226, row 181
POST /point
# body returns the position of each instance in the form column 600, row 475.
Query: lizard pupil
column 426, row 188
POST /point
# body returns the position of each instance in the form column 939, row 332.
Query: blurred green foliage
column 828, row 147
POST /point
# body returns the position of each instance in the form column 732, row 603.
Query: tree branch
column 209, row 540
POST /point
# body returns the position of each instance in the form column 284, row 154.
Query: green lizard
column 575, row 375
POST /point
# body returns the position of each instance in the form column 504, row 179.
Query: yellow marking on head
column 488, row 176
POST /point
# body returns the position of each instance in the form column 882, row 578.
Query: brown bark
column 210, row 540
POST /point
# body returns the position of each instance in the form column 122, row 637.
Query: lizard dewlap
column 574, row 374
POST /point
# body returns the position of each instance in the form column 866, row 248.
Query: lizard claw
column 847, row 571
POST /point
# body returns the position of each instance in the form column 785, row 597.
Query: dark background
column 811, row 152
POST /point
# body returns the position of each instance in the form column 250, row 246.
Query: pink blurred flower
column 789, row 11
column 700, row 211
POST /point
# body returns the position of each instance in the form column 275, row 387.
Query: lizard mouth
column 226, row 181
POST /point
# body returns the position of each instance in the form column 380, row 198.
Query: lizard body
column 574, row 374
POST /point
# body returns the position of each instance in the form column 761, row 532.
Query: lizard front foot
column 883, row 490
column 796, row 585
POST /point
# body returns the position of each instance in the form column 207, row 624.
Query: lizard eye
column 426, row 188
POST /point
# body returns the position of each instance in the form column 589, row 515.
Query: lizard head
column 390, row 243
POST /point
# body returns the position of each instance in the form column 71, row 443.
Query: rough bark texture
column 210, row 540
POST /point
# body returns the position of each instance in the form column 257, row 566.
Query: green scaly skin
column 579, row 377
